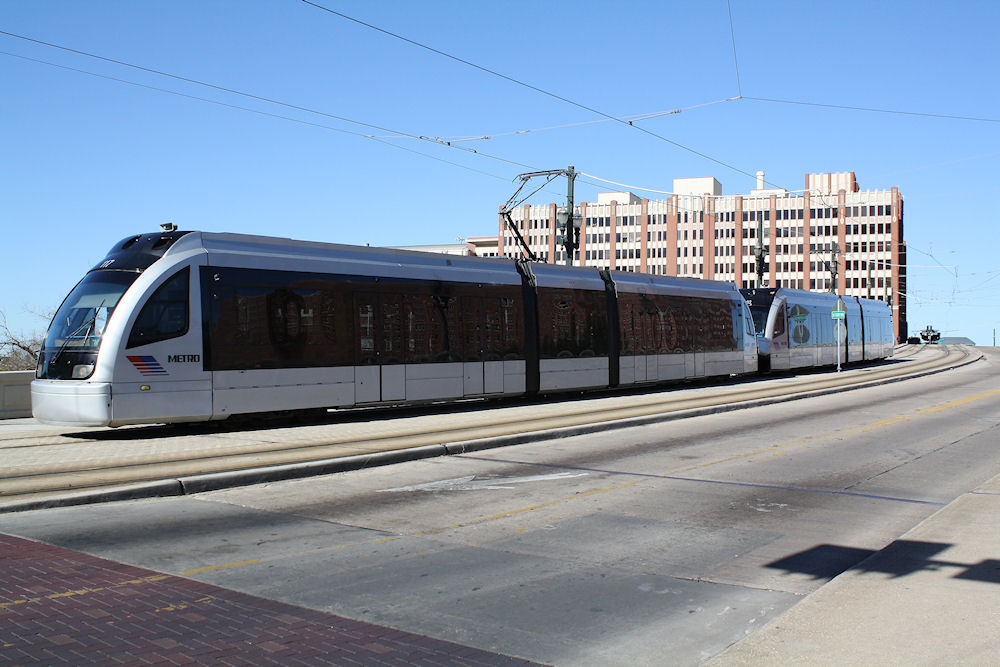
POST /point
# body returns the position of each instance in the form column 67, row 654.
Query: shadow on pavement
column 901, row 558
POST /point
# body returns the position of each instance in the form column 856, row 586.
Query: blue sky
column 88, row 160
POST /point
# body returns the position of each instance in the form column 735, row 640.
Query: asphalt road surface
column 646, row 545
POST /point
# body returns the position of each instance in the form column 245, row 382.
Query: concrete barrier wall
column 15, row 394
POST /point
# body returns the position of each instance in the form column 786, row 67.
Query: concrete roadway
column 662, row 543
column 46, row 465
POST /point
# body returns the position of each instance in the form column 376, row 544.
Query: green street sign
column 838, row 314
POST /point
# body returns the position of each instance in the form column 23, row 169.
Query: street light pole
column 832, row 265
column 759, row 251
column 565, row 222
column 572, row 241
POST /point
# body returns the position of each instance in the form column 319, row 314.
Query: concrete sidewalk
column 930, row 598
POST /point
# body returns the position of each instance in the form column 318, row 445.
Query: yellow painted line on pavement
column 959, row 401
column 210, row 568
column 532, row 508
column 502, row 515
column 83, row 591
column 285, row 556
column 185, row 605
column 881, row 423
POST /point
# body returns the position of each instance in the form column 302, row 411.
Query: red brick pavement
column 62, row 606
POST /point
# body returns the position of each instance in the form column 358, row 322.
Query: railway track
column 48, row 467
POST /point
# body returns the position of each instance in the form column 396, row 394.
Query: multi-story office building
column 830, row 236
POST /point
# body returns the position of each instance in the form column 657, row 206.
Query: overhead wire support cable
column 267, row 114
column 531, row 87
column 204, row 83
column 736, row 61
column 874, row 110
column 396, row 133
column 631, row 119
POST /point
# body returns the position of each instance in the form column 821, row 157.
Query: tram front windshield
column 75, row 334
column 759, row 313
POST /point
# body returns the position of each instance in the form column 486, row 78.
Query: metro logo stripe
column 147, row 365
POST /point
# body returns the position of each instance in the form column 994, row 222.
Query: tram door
column 390, row 347
column 695, row 359
column 367, row 375
column 380, row 374
column 699, row 356
column 472, row 346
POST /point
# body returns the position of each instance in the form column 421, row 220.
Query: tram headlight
column 83, row 371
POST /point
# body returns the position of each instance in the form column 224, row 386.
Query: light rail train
column 797, row 331
column 194, row 326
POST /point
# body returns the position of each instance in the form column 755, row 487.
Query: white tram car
column 194, row 326
column 796, row 330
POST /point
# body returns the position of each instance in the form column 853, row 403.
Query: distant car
column 913, row 340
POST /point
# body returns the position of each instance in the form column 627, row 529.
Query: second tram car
column 795, row 328
column 193, row 326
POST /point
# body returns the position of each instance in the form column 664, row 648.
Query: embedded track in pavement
column 49, row 466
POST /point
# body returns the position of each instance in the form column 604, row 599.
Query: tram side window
column 437, row 322
column 627, row 319
column 431, row 325
column 677, row 325
column 276, row 319
column 720, row 326
column 392, row 329
column 572, row 323
column 283, row 319
column 503, row 325
column 779, row 322
column 491, row 325
column 642, row 325
column 165, row 315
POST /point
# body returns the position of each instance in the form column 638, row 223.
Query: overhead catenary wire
column 953, row 269
column 381, row 140
column 261, row 98
column 450, row 142
column 874, row 110
column 631, row 118
column 395, row 133
column 736, row 61
column 530, row 87
column 446, row 141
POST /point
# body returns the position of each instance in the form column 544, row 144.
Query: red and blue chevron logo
column 147, row 365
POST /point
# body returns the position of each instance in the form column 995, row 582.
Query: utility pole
column 565, row 222
column 832, row 266
column 759, row 251
column 869, row 285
